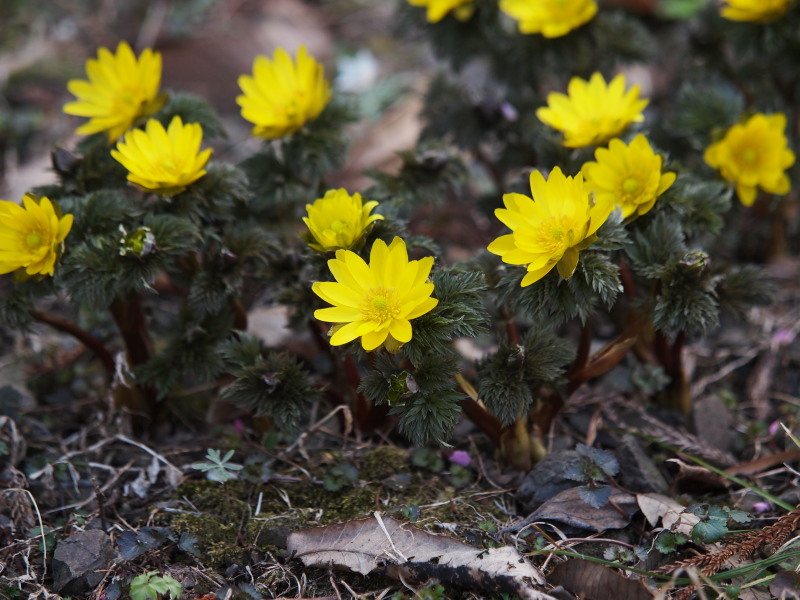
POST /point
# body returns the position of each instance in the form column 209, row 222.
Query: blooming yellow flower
column 375, row 301
column 754, row 10
column 283, row 95
column 338, row 220
column 592, row 112
column 754, row 154
column 551, row 228
column 31, row 235
column 120, row 90
column 551, row 18
column 162, row 160
column 438, row 9
column 629, row 176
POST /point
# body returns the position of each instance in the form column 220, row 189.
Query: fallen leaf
column 786, row 584
column 597, row 582
column 567, row 507
column 673, row 515
column 765, row 462
column 696, row 479
column 384, row 546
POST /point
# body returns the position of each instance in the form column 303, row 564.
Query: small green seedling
column 218, row 469
column 152, row 586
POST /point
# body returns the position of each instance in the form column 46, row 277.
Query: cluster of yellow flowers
column 561, row 218
column 376, row 301
column 281, row 96
column 120, row 92
column 555, row 18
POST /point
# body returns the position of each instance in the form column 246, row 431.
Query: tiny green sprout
column 339, row 476
column 427, row 458
column 218, row 469
column 152, row 586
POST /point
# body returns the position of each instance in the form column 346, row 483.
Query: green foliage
column 267, row 382
column 668, row 542
column 592, row 469
column 217, row 467
column 192, row 109
column 428, row 174
column 339, row 476
column 152, row 586
column 713, row 524
column 511, row 378
column 460, row 312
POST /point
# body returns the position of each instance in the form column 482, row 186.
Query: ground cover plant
column 558, row 329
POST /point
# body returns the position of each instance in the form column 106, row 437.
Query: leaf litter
column 383, row 545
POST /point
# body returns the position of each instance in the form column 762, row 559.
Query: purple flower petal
column 460, row 457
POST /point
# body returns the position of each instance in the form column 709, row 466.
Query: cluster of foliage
column 618, row 207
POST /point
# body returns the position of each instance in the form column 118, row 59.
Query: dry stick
column 41, row 526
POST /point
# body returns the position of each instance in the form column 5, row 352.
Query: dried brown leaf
column 384, row 546
column 673, row 515
column 568, row 507
column 786, row 584
column 597, row 582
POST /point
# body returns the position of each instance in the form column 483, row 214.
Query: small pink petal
column 783, row 337
column 774, row 427
column 760, row 507
column 238, row 426
column 460, row 457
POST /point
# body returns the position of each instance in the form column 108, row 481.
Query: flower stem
column 132, row 326
column 83, row 336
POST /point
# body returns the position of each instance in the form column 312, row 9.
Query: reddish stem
column 83, row 336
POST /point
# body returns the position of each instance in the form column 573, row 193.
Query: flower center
column 33, row 240
column 749, row 156
column 380, row 305
column 557, row 234
column 630, row 185
column 337, row 226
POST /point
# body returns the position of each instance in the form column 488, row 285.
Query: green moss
column 383, row 462
column 228, row 531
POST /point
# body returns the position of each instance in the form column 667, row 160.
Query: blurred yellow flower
column 629, row 176
column 338, row 220
column 550, row 229
column 120, row 90
column 162, row 160
column 375, row 301
column 754, row 10
column 592, row 112
column 31, row 235
column 438, row 9
column 283, row 95
column 551, row 18
column 754, row 154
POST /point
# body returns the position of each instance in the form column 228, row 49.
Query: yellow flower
column 119, row 91
column 283, row 95
column 162, row 160
column 375, row 301
column 551, row 228
column 629, row 176
column 338, row 220
column 551, row 18
column 754, row 10
column 754, row 154
column 438, row 9
column 31, row 236
column 592, row 112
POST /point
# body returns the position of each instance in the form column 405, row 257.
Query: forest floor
column 87, row 501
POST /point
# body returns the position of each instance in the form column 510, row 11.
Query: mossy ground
column 230, row 532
